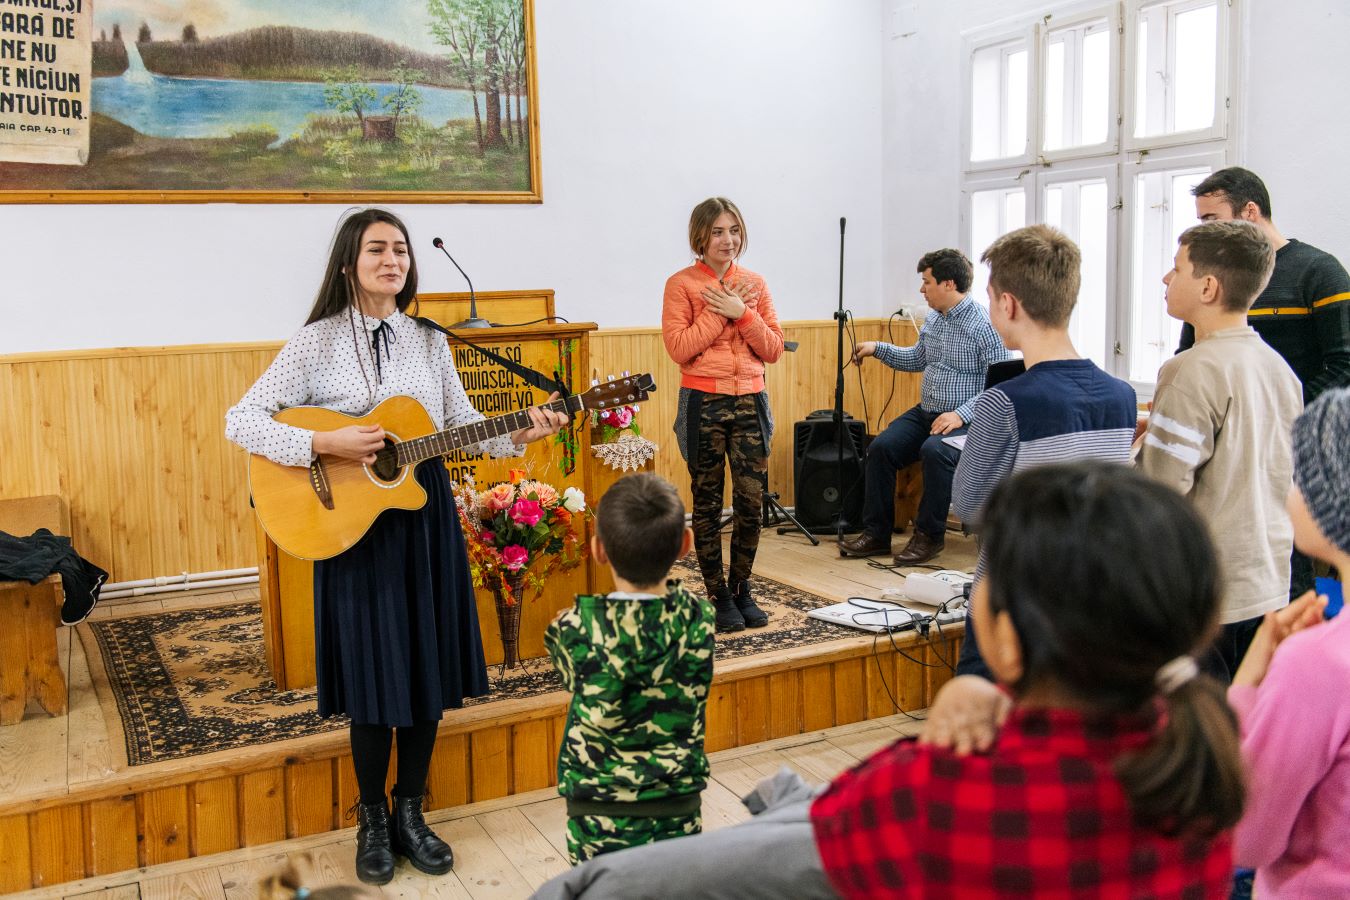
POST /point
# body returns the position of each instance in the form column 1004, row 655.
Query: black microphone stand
column 840, row 317
column 472, row 321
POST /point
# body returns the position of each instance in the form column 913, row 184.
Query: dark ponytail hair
column 1108, row 576
column 339, row 290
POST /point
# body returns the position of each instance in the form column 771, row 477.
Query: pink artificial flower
column 527, row 512
column 514, row 557
column 545, row 493
column 488, row 537
column 497, row 498
column 608, row 418
column 623, row 416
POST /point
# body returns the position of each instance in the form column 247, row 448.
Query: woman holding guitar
column 396, row 628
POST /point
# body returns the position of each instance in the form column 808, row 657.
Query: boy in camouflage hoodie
column 638, row 663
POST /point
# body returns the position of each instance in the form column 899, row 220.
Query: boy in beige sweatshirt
column 1220, row 430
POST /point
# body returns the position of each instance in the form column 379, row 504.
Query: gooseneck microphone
column 472, row 321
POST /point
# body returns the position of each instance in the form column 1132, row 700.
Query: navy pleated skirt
column 395, row 625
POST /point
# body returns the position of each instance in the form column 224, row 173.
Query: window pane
column 998, row 101
column 1080, row 210
column 1094, row 102
column 1178, row 52
column 1195, row 54
column 992, row 213
column 1077, row 85
column 1015, row 104
column 1164, row 209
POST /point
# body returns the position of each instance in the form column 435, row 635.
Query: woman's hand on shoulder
column 358, row 442
column 966, row 715
column 543, row 422
column 727, row 301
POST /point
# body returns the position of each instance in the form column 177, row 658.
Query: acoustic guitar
column 319, row 510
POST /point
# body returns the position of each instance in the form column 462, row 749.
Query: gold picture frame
column 368, row 161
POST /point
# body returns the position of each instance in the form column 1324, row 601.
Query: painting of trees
column 485, row 42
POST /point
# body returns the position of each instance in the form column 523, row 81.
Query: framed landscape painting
column 309, row 100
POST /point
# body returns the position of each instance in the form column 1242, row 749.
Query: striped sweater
column 1059, row 410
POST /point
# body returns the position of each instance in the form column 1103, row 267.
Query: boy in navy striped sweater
column 1062, row 408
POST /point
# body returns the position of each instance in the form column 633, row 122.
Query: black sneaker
column 754, row 616
column 729, row 617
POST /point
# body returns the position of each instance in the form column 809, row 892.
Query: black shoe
column 754, row 616
column 729, row 618
column 415, row 839
column 374, row 853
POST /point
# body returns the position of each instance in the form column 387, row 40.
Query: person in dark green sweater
column 639, row 663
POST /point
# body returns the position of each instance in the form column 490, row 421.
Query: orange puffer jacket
column 715, row 354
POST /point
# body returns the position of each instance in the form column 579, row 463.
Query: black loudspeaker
column 815, row 469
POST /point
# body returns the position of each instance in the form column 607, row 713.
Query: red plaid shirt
column 1041, row 815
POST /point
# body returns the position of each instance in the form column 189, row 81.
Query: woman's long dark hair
column 339, row 290
column 1107, row 576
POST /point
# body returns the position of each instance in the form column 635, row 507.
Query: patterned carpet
column 196, row 681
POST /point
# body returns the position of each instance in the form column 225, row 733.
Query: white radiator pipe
column 182, row 579
column 125, row 593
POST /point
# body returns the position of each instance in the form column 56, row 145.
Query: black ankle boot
column 415, row 839
column 754, row 616
column 374, row 855
column 729, row 618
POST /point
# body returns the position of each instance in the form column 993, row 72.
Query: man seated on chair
column 956, row 345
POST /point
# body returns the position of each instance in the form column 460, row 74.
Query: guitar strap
column 525, row 373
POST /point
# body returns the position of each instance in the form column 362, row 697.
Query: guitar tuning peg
column 609, row 377
column 594, row 382
column 626, row 373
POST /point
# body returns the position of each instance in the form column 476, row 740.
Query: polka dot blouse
column 323, row 366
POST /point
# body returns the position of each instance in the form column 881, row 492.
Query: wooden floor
column 504, row 848
column 42, row 755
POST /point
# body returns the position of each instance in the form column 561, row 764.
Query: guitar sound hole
column 385, row 466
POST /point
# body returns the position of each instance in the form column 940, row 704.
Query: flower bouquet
column 620, row 444
column 518, row 532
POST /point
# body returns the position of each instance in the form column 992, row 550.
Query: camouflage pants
column 729, row 431
column 590, row 836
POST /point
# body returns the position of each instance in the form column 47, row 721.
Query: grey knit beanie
column 1322, row 463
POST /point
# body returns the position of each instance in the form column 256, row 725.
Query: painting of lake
column 311, row 99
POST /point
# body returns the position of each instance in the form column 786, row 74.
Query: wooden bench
column 29, row 616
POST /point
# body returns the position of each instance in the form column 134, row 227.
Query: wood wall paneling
column 134, row 440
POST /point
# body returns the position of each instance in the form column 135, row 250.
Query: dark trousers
column 972, row 661
column 1224, row 656
column 905, row 441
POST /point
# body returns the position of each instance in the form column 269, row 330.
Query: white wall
column 646, row 109
column 1290, row 129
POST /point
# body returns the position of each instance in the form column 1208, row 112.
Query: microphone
column 472, row 321
column 842, row 220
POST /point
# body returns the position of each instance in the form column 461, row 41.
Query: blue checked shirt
column 953, row 351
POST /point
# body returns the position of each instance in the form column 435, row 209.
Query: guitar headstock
column 618, row 392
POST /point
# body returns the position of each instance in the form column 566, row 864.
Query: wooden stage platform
column 70, row 810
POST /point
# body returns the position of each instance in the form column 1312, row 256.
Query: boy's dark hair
column 1237, row 187
column 640, row 523
column 1054, row 538
column 949, row 265
column 1039, row 266
column 1235, row 252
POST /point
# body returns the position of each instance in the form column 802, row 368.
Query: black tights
column 370, row 754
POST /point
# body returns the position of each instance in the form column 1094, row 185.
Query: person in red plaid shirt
column 1115, row 774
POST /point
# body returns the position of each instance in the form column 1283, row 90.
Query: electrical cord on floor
column 923, row 626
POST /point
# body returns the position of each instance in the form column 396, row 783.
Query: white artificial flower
column 573, row 500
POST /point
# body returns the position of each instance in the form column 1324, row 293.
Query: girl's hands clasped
column 729, row 301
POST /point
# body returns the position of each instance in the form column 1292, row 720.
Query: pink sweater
column 1296, row 741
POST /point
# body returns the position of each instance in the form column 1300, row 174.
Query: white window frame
column 1118, row 159
column 1225, row 78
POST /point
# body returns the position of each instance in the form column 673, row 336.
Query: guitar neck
column 414, row 451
